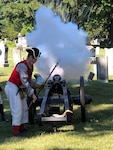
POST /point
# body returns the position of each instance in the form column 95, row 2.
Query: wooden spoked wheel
column 82, row 99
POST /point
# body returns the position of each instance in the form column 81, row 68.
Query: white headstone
column 102, row 68
column 97, row 50
column 2, row 56
column 109, row 54
column 16, row 56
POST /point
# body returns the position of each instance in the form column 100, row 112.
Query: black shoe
column 18, row 135
column 25, row 130
column 5, row 119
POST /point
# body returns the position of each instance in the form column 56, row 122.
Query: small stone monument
column 109, row 54
column 16, row 56
column 4, row 55
column 19, row 43
column 102, row 68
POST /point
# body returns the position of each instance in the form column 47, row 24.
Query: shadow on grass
column 2, row 74
column 98, row 123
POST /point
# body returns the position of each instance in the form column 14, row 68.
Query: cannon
column 56, row 104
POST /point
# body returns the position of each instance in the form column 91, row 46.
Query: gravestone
column 16, row 56
column 4, row 55
column 109, row 54
column 19, row 43
column 102, row 68
column 97, row 50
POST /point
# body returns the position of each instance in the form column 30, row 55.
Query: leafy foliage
column 94, row 16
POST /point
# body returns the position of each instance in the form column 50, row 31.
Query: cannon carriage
column 56, row 105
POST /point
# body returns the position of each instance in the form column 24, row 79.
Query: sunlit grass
column 95, row 134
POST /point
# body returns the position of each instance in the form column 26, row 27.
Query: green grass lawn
column 95, row 134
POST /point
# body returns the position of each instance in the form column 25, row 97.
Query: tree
column 95, row 17
column 17, row 13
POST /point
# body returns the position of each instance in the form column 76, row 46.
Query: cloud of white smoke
column 58, row 40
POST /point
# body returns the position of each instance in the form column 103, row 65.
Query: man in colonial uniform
column 21, row 76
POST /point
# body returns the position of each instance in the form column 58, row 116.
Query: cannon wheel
column 82, row 99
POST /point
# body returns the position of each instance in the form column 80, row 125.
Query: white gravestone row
column 104, row 65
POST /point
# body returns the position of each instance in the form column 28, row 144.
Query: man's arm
column 22, row 69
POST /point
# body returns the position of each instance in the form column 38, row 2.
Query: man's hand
column 34, row 98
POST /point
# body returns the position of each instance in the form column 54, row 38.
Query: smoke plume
column 58, row 41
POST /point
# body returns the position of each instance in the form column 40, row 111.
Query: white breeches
column 18, row 106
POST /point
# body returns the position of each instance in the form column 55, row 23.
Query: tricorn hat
column 33, row 52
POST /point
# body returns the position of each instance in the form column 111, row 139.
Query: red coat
column 15, row 78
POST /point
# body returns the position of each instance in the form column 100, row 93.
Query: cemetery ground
column 95, row 134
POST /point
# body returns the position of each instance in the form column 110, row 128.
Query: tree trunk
column 111, row 33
